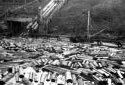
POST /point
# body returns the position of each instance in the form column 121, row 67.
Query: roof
column 19, row 19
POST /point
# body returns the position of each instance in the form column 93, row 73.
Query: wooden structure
column 14, row 2
column 17, row 25
column 48, row 12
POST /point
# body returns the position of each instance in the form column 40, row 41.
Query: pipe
column 69, row 63
column 50, row 61
column 5, row 73
column 34, row 24
column 102, row 72
column 17, row 77
column 99, row 64
column 119, row 73
column 30, row 24
column 47, row 81
column 61, row 79
column 53, row 77
column 74, row 80
column 35, row 77
column 111, row 69
column 72, row 66
column 6, row 78
column 95, row 63
column 43, row 76
column 21, row 70
column 64, row 63
column 91, row 65
column 43, row 12
column 80, row 81
column 13, row 69
column 35, row 29
column 59, row 6
column 31, row 76
column 48, row 5
column 43, row 60
column 56, row 62
column 39, row 75
column 25, row 81
column 121, row 81
column 83, row 62
column 49, row 76
column 97, row 79
column 46, row 61
column 109, row 81
column 105, row 72
column 0, row 75
column 79, row 64
column 49, row 10
column 69, row 77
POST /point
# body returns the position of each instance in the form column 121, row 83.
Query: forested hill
column 104, row 14
column 72, row 17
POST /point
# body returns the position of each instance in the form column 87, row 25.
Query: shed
column 17, row 25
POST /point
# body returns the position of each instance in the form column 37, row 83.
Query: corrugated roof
column 19, row 19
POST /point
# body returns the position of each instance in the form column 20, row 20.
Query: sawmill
column 62, row 42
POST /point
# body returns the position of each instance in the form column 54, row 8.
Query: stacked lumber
column 55, row 62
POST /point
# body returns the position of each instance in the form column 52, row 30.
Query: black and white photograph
column 62, row 42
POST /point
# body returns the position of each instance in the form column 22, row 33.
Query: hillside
column 72, row 17
column 109, row 13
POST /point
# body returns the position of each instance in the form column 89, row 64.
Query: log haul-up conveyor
column 46, row 14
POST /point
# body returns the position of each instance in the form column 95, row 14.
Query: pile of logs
column 65, row 63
